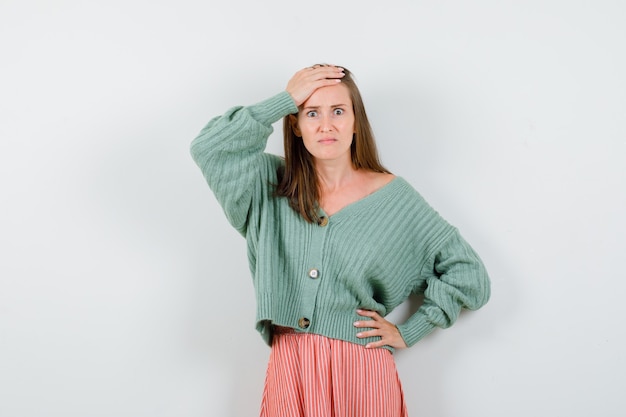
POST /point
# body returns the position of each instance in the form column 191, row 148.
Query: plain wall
column 123, row 290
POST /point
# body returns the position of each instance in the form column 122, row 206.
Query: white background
column 123, row 290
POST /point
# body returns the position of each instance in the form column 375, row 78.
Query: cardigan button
column 304, row 323
column 323, row 221
column 314, row 273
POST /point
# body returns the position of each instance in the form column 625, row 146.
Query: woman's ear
column 294, row 125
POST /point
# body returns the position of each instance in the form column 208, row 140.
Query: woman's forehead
column 330, row 96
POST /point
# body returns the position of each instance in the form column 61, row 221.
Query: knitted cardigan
column 371, row 254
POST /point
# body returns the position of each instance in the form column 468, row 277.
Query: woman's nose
column 325, row 124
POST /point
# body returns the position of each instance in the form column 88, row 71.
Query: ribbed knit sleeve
column 456, row 278
column 229, row 151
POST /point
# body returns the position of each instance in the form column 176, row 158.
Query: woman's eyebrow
column 318, row 107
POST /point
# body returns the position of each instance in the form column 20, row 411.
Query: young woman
column 335, row 243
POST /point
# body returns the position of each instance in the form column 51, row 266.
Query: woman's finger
column 369, row 313
column 306, row 81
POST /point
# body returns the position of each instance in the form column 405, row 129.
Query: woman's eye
column 311, row 114
column 338, row 112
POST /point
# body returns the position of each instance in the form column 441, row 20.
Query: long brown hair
column 298, row 182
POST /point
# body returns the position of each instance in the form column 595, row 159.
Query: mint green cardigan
column 372, row 254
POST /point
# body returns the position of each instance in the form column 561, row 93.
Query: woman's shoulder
column 399, row 191
column 377, row 180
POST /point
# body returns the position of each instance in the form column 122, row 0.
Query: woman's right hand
column 306, row 81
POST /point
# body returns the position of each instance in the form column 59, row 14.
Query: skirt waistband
column 284, row 330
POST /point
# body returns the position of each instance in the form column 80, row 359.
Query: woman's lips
column 327, row 140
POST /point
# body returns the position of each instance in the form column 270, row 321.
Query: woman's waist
column 341, row 327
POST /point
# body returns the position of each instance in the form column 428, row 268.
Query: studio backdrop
column 124, row 291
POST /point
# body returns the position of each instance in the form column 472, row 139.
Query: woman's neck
column 332, row 175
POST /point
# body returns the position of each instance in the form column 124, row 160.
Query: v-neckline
column 355, row 204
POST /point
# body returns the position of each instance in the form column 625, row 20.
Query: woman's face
column 326, row 123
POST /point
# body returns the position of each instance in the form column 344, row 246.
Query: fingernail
column 356, row 324
column 359, row 334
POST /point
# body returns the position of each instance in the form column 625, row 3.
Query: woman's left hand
column 387, row 331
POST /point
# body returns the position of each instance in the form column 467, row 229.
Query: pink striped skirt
column 314, row 376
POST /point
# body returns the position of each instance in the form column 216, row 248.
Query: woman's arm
column 456, row 278
column 229, row 151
